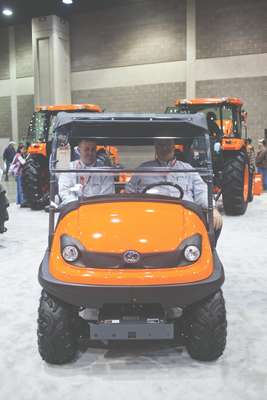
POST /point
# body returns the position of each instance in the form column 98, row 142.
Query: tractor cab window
column 231, row 117
column 211, row 111
column 51, row 127
column 173, row 110
column 38, row 127
column 197, row 108
column 227, row 120
column 237, row 121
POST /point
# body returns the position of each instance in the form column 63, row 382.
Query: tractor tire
column 35, row 182
column 235, row 172
column 4, row 204
column 250, row 190
column 57, row 335
column 205, row 328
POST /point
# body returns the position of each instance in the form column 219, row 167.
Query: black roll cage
column 70, row 125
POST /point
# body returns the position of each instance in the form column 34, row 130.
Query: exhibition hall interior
column 133, row 199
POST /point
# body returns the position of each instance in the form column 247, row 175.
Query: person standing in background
column 251, row 153
column 16, row 170
column 8, row 156
column 261, row 161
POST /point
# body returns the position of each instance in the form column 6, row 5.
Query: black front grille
column 116, row 261
column 103, row 260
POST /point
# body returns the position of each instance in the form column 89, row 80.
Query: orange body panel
column 116, row 227
column 233, row 144
column 258, row 184
column 37, row 148
column 70, row 107
column 212, row 100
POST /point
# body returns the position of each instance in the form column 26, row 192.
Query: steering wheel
column 152, row 185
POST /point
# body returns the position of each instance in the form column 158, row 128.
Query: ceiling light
column 7, row 12
column 67, row 1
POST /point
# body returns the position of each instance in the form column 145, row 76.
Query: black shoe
column 24, row 205
column 3, row 229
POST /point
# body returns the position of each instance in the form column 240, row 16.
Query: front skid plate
column 131, row 331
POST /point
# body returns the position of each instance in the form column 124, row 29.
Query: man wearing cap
column 8, row 156
column 195, row 189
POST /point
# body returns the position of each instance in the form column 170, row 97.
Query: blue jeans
column 20, row 196
column 263, row 171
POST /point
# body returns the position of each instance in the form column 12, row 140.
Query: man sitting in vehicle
column 74, row 185
column 195, row 189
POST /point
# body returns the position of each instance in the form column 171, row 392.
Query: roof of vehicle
column 70, row 107
column 210, row 100
column 138, row 125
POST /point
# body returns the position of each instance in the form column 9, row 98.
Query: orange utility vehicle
column 131, row 266
column 35, row 175
column 233, row 175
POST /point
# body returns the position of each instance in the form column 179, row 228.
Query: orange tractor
column 233, row 175
column 35, row 175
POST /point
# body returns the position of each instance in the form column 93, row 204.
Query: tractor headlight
column 70, row 253
column 191, row 253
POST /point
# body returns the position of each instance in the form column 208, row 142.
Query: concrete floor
column 10, row 187
column 150, row 372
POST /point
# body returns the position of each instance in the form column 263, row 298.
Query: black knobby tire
column 35, row 182
column 4, row 204
column 205, row 328
column 57, row 330
column 235, row 164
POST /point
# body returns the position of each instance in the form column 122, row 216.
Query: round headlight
column 70, row 253
column 191, row 253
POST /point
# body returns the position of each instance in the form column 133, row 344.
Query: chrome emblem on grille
column 131, row 257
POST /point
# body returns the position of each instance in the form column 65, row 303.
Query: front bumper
column 180, row 295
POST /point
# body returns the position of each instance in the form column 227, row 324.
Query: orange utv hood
column 143, row 226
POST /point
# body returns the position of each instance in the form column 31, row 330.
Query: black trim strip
column 102, row 260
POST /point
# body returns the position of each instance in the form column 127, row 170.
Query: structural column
column 51, row 53
column 13, row 91
column 190, row 48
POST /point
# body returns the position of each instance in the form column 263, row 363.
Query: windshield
column 208, row 108
column 173, row 167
